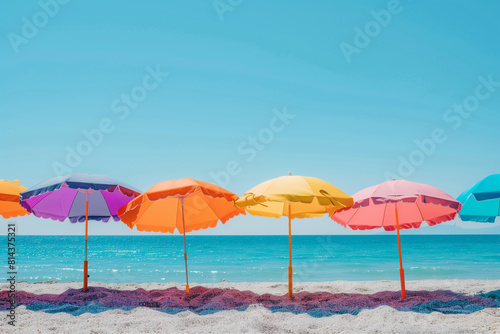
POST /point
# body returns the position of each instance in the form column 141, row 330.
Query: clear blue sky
column 359, row 100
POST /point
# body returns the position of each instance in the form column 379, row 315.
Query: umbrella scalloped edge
column 406, row 226
column 175, row 192
column 478, row 219
column 13, row 215
column 165, row 229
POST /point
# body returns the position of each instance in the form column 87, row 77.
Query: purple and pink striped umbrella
column 78, row 197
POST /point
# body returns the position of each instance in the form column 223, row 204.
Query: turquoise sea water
column 256, row 258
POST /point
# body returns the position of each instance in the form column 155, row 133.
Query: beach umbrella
column 9, row 199
column 294, row 197
column 184, row 205
column 80, row 198
column 481, row 202
column 395, row 205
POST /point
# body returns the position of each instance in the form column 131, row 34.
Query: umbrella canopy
column 395, row 205
column 294, row 197
column 311, row 197
column 416, row 202
column 9, row 199
column 79, row 197
column 66, row 196
column 184, row 205
column 481, row 202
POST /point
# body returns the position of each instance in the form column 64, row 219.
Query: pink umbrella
column 396, row 205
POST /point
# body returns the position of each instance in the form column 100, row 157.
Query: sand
column 258, row 319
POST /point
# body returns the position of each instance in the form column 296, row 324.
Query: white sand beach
column 258, row 319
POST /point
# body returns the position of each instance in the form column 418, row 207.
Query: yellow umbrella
column 294, row 197
column 9, row 199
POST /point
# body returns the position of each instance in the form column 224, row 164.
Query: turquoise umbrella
column 481, row 202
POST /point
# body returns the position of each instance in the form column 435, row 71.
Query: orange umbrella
column 9, row 199
column 186, row 205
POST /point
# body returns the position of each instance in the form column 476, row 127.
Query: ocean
column 211, row 259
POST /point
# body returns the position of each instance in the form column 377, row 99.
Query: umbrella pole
column 401, row 270
column 290, row 269
column 86, row 263
column 185, row 252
